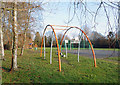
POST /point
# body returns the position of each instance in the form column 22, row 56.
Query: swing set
column 59, row 47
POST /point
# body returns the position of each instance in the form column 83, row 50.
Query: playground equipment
column 59, row 48
column 30, row 45
column 36, row 46
column 69, row 42
column 75, row 43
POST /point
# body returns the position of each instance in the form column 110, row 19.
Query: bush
column 7, row 46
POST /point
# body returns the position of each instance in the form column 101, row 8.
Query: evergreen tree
column 37, row 39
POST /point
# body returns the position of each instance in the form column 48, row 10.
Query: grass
column 34, row 69
column 114, row 58
column 112, row 49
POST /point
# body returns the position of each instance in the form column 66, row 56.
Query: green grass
column 112, row 49
column 114, row 58
column 33, row 68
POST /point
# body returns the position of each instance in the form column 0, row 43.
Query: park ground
column 34, row 69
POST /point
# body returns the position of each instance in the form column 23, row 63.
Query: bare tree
column 67, row 38
column 26, row 28
column 118, row 33
column 59, row 36
column 86, row 29
column 81, row 11
column 110, row 38
column 24, row 40
column 28, row 20
column 15, row 38
column 1, row 31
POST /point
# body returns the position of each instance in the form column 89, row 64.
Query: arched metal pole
column 51, row 50
column 79, row 46
column 78, row 50
column 66, row 49
column 44, row 47
column 70, row 45
column 86, row 37
column 56, row 43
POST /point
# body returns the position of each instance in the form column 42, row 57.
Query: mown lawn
column 34, row 69
column 113, row 58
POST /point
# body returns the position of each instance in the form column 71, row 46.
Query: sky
column 58, row 13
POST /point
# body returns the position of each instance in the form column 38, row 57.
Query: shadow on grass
column 42, row 58
column 5, row 69
column 9, row 70
column 39, row 58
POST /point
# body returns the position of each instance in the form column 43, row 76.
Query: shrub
column 7, row 46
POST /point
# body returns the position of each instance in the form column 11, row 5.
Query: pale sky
column 57, row 13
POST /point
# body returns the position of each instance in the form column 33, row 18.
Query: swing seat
column 61, row 54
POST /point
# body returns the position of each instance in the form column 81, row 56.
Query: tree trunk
column 118, row 24
column 1, row 33
column 2, row 45
column 24, row 40
column 15, row 38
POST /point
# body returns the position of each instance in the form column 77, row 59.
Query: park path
column 98, row 53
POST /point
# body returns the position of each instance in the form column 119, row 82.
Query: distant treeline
column 103, row 43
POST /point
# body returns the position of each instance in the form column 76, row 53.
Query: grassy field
column 113, row 58
column 112, row 49
column 116, row 49
column 34, row 69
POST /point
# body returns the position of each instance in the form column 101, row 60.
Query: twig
column 107, row 16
